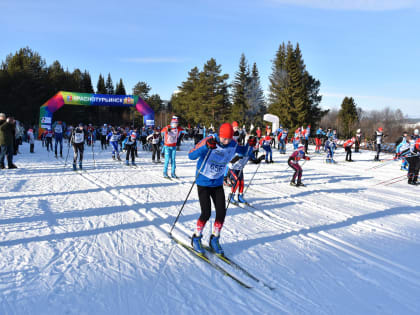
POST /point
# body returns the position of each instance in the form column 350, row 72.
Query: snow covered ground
column 96, row 242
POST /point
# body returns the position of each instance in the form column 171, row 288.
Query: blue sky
column 366, row 49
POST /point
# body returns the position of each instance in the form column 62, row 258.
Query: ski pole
column 389, row 180
column 195, row 179
column 252, row 178
column 93, row 153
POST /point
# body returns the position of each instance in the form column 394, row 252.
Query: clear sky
column 366, row 49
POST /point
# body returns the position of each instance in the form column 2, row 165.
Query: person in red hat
column 213, row 154
column 347, row 146
column 170, row 135
column 378, row 139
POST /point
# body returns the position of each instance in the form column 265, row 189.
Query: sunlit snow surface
column 96, row 242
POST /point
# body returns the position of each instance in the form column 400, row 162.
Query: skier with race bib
column 215, row 152
column 293, row 162
column 58, row 135
column 170, row 135
column 78, row 143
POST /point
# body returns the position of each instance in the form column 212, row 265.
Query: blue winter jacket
column 200, row 152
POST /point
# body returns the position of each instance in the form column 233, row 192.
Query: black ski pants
column 348, row 153
column 217, row 194
column 131, row 150
column 103, row 142
column 78, row 148
column 413, row 168
column 155, row 151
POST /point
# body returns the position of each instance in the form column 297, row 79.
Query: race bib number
column 172, row 136
column 217, row 161
column 58, row 129
column 78, row 137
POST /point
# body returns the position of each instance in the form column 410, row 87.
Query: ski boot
column 74, row 167
column 232, row 198
column 133, row 163
column 241, row 199
column 166, row 176
column 118, row 157
column 127, row 163
column 196, row 243
column 80, row 165
column 113, row 157
column 271, row 161
column 174, row 175
column 292, row 183
column 300, row 184
column 215, row 246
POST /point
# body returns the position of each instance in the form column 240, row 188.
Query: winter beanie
column 226, row 131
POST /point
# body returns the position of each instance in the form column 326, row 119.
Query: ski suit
column 155, row 139
column 347, row 146
column 330, row 146
column 78, row 140
column 58, row 135
column 170, row 136
column 113, row 138
column 265, row 144
column 411, row 152
column 378, row 138
column 210, row 179
column 293, row 162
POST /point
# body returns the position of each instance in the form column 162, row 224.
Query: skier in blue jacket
column 215, row 152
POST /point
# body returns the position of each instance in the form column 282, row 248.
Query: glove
column 236, row 159
column 397, row 156
column 211, row 143
column 307, row 158
column 252, row 141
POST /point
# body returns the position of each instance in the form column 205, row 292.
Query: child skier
column 330, row 147
column 215, row 152
column 293, row 162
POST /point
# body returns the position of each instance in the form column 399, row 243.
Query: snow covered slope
column 96, row 242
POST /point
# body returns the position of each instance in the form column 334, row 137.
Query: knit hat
column 174, row 119
column 226, row 131
column 235, row 124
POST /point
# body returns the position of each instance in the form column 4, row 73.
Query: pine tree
column 278, row 89
column 294, row 93
column 255, row 98
column 348, row 115
column 239, row 87
column 120, row 89
column 109, row 86
column 142, row 89
column 100, row 87
column 86, row 83
column 214, row 94
column 187, row 99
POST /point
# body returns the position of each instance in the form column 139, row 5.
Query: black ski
column 204, row 257
column 238, row 267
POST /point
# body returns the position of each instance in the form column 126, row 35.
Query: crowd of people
column 221, row 155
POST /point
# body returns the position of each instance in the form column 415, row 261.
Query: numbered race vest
column 115, row 137
column 240, row 164
column 104, row 131
column 79, row 137
column 58, row 129
column 171, row 137
column 217, row 161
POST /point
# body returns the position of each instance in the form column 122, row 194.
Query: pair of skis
column 226, row 260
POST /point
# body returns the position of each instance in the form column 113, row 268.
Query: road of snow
column 96, row 242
